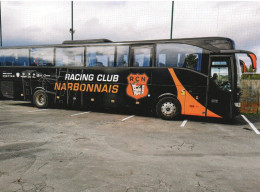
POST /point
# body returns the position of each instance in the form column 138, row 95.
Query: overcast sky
column 48, row 22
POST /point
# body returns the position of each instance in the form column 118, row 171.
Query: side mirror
column 243, row 66
column 253, row 60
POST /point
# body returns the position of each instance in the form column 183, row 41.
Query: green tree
column 250, row 76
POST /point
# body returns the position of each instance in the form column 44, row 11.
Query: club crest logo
column 137, row 86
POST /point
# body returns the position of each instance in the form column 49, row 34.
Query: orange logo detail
column 137, row 86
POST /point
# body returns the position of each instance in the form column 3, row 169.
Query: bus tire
column 40, row 99
column 168, row 108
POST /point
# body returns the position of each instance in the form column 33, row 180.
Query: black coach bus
column 195, row 76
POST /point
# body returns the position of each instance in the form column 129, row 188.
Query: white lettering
column 99, row 77
column 91, row 77
column 116, row 77
column 67, row 76
column 109, row 78
column 77, row 76
column 84, row 77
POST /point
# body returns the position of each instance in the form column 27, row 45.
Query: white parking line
column 127, row 117
column 79, row 113
column 251, row 125
column 37, row 110
column 184, row 123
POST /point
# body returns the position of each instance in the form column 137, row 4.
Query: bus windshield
column 239, row 72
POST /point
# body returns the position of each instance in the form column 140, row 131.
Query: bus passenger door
column 220, row 85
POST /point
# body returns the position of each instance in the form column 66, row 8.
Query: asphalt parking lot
column 73, row 150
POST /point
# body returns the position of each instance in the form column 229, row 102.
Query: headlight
column 238, row 104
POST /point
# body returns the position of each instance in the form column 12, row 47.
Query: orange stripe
column 189, row 105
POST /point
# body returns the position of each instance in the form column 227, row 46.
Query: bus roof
column 213, row 44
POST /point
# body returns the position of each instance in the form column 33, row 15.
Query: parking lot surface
column 74, row 150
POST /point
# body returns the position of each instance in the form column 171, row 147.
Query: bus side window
column 14, row 57
column 7, row 57
column 122, row 56
column 73, row 56
column 41, row 57
column 2, row 59
column 9, row 60
column 178, row 55
column 161, row 60
column 166, row 56
column 100, row 56
column 21, row 57
column 142, row 57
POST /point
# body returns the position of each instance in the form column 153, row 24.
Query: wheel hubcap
column 168, row 109
column 40, row 99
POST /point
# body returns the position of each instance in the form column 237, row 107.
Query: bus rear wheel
column 40, row 99
column 168, row 108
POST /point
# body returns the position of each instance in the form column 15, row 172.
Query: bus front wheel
column 40, row 99
column 168, row 108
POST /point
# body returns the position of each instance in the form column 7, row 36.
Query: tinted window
column 41, row 57
column 220, row 72
column 70, row 56
column 142, row 57
column 100, row 56
column 14, row 57
column 178, row 55
column 122, row 56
